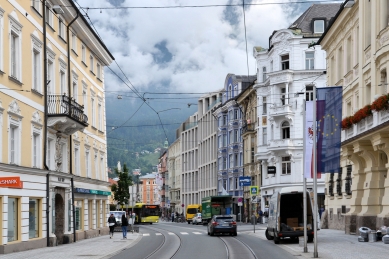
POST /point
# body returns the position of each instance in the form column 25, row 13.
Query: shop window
column 13, row 219
column 33, row 215
column 78, row 215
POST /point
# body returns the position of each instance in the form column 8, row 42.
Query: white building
column 285, row 69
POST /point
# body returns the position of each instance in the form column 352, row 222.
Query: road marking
column 170, row 233
column 197, row 233
column 146, row 234
column 184, row 233
column 158, row 234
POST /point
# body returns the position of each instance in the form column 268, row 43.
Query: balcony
column 248, row 127
column 282, row 110
column 283, row 144
column 65, row 114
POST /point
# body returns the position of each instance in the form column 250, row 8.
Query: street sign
column 254, row 199
column 271, row 170
column 240, row 204
column 244, row 180
column 254, row 190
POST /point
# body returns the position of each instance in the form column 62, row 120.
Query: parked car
column 222, row 224
column 196, row 219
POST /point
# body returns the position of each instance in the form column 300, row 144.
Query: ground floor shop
column 39, row 209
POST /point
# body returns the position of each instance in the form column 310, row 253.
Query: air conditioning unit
column 57, row 9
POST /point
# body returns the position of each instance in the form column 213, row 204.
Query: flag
column 308, row 140
column 329, row 120
column 328, row 129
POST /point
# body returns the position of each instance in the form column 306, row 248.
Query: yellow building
column 357, row 59
column 53, row 178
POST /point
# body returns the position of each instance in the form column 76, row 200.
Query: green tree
column 121, row 192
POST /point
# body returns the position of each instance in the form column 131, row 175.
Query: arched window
column 285, row 130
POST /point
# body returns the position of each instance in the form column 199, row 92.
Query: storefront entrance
column 59, row 215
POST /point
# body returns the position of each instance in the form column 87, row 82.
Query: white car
column 197, row 219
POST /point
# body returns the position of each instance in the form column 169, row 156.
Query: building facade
column 148, row 189
column 174, row 181
column 229, row 138
column 357, row 53
column 287, row 68
column 52, row 132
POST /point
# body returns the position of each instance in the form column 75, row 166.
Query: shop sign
column 88, row 191
column 11, row 182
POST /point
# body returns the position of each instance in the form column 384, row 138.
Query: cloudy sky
column 185, row 49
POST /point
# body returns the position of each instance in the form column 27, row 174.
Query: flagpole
column 305, row 181
column 315, row 253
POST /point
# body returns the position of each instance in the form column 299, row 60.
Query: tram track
column 237, row 249
column 169, row 247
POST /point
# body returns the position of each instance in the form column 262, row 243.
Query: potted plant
column 361, row 114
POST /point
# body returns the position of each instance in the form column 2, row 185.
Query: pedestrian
column 321, row 211
column 112, row 224
column 124, row 226
column 172, row 216
column 260, row 213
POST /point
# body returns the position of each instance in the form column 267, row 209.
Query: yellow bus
column 145, row 213
column 191, row 211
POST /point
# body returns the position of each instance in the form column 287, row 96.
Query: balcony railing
column 63, row 105
column 247, row 128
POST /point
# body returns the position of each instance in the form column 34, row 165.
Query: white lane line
column 197, row 233
column 146, row 234
column 184, row 233
column 158, row 234
column 170, row 233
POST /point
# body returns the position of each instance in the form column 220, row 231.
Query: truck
column 286, row 215
column 191, row 211
column 215, row 205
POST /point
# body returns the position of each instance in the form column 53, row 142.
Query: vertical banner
column 308, row 141
column 329, row 120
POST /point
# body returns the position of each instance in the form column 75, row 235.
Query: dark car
column 222, row 224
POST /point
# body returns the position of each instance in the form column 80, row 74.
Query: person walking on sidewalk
column 112, row 224
column 124, row 226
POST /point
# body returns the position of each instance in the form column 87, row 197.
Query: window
column 100, row 116
column 236, row 183
column 35, row 150
column 231, row 183
column 236, row 160
column 340, row 67
column 91, row 63
column 98, row 71
column 96, row 166
column 74, row 43
column 15, row 56
column 368, row 93
column 33, row 216
column 264, row 136
column 231, row 115
column 61, row 29
column 318, row 26
column 13, row 204
column 264, row 75
column 224, row 140
column 49, row 15
column 286, row 165
column 224, row 120
column 264, row 106
column 36, row 70
column 384, row 82
column 231, row 161
column 225, row 184
column 285, row 62
column 75, row 91
column 93, row 112
column 236, row 114
column 50, row 77
column 87, row 163
column 90, row 214
column 62, row 82
column 36, row 5
column 252, row 155
column 102, row 168
column 83, row 53
column 283, row 96
column 85, row 98
column 309, row 93
column 309, row 60
column 13, row 137
column 285, row 130
column 79, row 218
column 220, row 138
column 236, row 136
column 224, row 163
column 231, row 136
column 350, row 51
column 77, row 160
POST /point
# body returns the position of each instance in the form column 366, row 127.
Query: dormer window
column 318, row 26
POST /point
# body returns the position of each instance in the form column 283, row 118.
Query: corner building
column 357, row 59
column 53, row 180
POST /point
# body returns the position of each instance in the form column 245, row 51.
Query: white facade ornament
column 14, row 109
column 58, row 153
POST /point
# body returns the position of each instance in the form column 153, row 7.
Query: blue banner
column 244, row 180
column 329, row 121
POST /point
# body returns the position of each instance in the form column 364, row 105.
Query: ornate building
column 52, row 126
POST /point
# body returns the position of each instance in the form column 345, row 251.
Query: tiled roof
column 304, row 22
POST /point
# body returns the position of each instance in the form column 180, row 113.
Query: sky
column 185, row 49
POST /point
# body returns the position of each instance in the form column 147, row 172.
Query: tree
column 121, row 192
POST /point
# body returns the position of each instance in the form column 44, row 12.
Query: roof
column 304, row 22
column 112, row 181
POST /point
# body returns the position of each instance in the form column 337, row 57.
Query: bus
column 145, row 213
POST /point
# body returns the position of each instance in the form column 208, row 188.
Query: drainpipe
column 70, row 138
column 45, row 125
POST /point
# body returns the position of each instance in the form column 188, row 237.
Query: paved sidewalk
column 98, row 247
column 334, row 244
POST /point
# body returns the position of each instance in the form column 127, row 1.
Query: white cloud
column 205, row 47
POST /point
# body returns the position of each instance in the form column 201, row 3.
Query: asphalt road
column 183, row 241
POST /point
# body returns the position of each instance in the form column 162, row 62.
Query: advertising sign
column 244, row 180
column 11, row 182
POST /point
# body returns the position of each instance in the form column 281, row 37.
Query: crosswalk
column 171, row 233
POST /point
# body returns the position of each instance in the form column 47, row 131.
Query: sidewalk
column 334, row 244
column 99, row 247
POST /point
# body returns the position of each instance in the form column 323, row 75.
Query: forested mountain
column 135, row 134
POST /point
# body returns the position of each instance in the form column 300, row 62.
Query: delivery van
column 286, row 215
column 191, row 211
